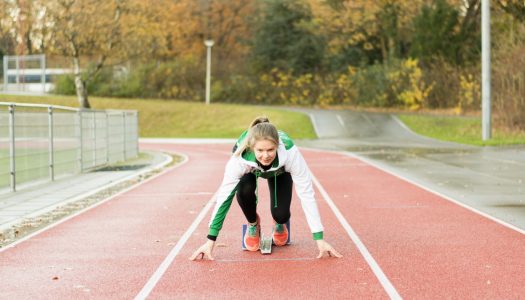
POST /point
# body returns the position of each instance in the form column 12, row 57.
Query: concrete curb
column 14, row 230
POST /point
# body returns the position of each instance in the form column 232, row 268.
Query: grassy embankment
column 464, row 130
column 181, row 119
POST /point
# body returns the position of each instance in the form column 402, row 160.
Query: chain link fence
column 43, row 142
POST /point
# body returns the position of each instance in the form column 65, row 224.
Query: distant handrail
column 62, row 107
column 38, row 105
column 71, row 142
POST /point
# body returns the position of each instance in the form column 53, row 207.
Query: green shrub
column 239, row 88
column 371, row 84
column 64, row 85
column 181, row 79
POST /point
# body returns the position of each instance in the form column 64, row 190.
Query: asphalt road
column 489, row 179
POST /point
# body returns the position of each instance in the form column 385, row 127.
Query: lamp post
column 209, row 44
column 485, row 71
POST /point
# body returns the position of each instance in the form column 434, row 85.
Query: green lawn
column 464, row 130
column 181, row 119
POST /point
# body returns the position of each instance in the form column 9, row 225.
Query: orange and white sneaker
column 280, row 234
column 252, row 237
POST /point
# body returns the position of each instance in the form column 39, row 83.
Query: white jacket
column 289, row 157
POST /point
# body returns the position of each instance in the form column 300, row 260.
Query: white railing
column 43, row 142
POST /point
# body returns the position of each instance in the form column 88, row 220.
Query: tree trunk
column 384, row 51
column 80, row 85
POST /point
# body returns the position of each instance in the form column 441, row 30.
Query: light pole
column 485, row 71
column 209, row 44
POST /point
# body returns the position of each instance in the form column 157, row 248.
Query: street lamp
column 486, row 126
column 209, row 44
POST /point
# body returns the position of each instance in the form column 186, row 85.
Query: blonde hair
column 260, row 129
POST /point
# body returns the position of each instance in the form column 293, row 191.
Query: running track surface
column 407, row 242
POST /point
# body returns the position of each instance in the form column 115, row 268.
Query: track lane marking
column 163, row 267
column 392, row 171
column 96, row 204
column 314, row 124
column 341, row 121
column 385, row 282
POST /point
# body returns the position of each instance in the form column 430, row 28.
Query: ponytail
column 259, row 120
column 260, row 129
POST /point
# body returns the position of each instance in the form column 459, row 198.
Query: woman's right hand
column 205, row 251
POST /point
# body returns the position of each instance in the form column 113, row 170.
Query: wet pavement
column 488, row 179
column 36, row 206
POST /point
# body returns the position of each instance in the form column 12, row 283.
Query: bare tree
column 83, row 29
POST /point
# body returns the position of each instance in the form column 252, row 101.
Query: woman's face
column 265, row 152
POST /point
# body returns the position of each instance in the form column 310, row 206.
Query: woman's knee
column 281, row 217
column 246, row 188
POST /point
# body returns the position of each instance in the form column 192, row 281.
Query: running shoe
column 280, row 234
column 252, row 237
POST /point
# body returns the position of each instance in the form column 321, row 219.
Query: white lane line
column 368, row 119
column 340, row 120
column 29, row 236
column 314, row 124
column 387, row 285
column 394, row 172
column 154, row 279
column 428, row 189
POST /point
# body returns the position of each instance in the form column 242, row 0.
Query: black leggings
column 248, row 201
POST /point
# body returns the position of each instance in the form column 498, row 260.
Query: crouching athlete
column 263, row 151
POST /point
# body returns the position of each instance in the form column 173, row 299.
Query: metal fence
column 45, row 142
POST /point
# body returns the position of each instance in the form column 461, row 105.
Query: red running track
column 416, row 244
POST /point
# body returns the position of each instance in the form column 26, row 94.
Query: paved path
column 488, row 179
column 398, row 240
column 33, row 207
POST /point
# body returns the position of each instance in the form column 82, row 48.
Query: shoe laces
column 279, row 228
column 252, row 230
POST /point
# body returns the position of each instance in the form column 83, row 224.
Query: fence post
column 81, row 137
column 124, row 133
column 94, row 139
column 6, row 78
column 17, row 63
column 51, row 146
column 136, row 137
column 12, row 153
column 43, row 67
column 107, row 137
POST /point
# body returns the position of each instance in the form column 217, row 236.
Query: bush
column 65, row 85
column 181, row 79
column 239, row 88
column 509, row 87
column 399, row 83
column 469, row 97
column 407, row 84
column 371, row 84
column 98, row 85
column 446, row 88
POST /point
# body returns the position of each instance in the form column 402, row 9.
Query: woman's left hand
column 324, row 247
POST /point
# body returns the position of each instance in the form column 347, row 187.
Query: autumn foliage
column 391, row 53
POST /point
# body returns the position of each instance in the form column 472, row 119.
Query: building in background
column 29, row 74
